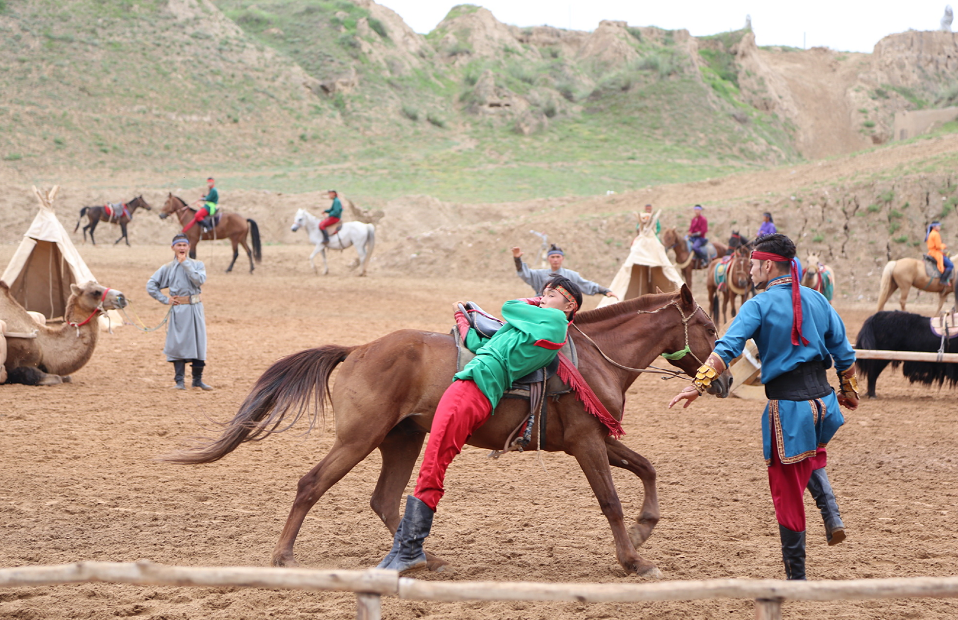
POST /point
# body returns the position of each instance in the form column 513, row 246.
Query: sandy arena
column 81, row 482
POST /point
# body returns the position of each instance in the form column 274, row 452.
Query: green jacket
column 530, row 340
column 336, row 210
column 213, row 196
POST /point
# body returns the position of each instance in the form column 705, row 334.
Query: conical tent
column 46, row 264
column 647, row 267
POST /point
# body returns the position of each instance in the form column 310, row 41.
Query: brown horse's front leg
column 622, row 456
column 591, row 454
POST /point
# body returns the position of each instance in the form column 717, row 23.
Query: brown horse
column 685, row 260
column 819, row 276
column 736, row 282
column 386, row 393
column 231, row 226
column 95, row 215
column 905, row 273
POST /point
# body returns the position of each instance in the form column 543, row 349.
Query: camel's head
column 299, row 220
column 91, row 295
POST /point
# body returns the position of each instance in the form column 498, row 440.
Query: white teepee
column 46, row 263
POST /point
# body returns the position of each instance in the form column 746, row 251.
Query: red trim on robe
column 547, row 344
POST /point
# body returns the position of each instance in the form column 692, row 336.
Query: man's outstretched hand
column 516, row 253
column 688, row 394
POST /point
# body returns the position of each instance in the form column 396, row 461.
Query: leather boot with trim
column 407, row 554
column 179, row 371
column 821, row 490
column 198, row 377
column 793, row 552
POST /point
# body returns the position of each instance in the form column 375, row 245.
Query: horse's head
column 139, row 203
column 90, row 296
column 670, row 237
column 698, row 335
column 299, row 220
column 173, row 205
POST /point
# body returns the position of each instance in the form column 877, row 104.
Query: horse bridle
column 672, row 357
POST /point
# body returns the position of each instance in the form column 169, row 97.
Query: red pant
column 787, row 484
column 200, row 214
column 329, row 221
column 462, row 409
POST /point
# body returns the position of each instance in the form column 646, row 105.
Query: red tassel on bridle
column 796, row 293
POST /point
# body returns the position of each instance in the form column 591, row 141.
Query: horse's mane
column 643, row 302
column 185, row 204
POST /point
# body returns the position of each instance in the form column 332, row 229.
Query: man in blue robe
column 799, row 335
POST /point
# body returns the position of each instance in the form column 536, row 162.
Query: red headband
column 568, row 296
column 796, row 293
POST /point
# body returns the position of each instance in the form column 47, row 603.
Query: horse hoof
column 651, row 573
column 284, row 561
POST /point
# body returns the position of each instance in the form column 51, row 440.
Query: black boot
column 198, row 366
column 407, row 554
column 325, row 236
column 793, row 552
column 821, row 491
column 179, row 370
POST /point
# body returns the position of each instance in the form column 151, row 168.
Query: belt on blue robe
column 808, row 381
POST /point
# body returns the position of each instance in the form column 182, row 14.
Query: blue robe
column 800, row 427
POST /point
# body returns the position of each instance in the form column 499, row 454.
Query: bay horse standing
column 734, row 283
column 386, row 393
column 905, row 273
column 231, row 225
column 95, row 215
column 819, row 276
column 684, row 256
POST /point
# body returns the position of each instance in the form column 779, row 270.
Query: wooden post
column 768, row 609
column 368, row 606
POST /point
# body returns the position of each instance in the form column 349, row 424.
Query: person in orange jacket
column 936, row 249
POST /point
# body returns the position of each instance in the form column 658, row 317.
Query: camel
column 47, row 355
column 905, row 273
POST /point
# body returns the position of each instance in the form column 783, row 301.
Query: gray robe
column 537, row 279
column 186, row 330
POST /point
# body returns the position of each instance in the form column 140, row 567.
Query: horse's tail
column 888, row 284
column 257, row 246
column 292, row 383
column 80, row 221
column 370, row 240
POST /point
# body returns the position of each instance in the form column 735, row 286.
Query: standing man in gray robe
column 186, row 330
column 537, row 278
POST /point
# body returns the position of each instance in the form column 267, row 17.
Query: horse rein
column 672, row 374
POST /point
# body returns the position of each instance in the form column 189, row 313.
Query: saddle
column 535, row 387
column 115, row 211
column 335, row 228
column 708, row 248
column 931, row 267
column 944, row 326
column 211, row 221
column 720, row 271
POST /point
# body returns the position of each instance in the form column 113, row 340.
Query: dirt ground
column 80, row 481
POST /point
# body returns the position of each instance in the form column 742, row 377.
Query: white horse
column 361, row 235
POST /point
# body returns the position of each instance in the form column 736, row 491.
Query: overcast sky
column 846, row 25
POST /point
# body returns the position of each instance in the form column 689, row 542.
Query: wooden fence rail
column 906, row 356
column 371, row 585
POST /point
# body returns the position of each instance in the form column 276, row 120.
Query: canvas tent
column 647, row 267
column 46, row 264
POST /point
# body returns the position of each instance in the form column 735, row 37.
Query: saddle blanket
column 931, row 267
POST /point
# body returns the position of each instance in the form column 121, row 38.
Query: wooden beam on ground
column 905, row 356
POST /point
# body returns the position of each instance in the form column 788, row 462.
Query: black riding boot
column 198, row 366
column 325, row 236
column 821, row 491
column 407, row 554
column 793, row 552
column 946, row 276
column 179, row 370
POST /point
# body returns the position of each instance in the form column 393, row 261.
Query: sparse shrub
column 377, row 26
column 410, row 112
column 459, row 48
column 436, row 120
column 874, row 208
column 339, row 102
column 895, row 214
column 901, row 239
column 59, row 141
column 887, row 197
column 948, row 96
column 662, row 63
column 13, row 157
column 635, row 32
column 348, row 41
column 550, row 109
column 818, row 238
column 869, row 124
column 522, row 72
column 304, row 137
column 567, row 90
column 893, row 227
column 879, row 93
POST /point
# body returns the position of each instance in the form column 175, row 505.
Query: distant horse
column 905, row 273
column 684, row 257
column 728, row 277
column 95, row 215
column 359, row 234
column 905, row 331
column 386, row 393
column 231, row 225
column 819, row 276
